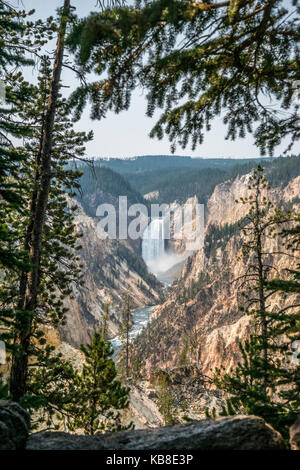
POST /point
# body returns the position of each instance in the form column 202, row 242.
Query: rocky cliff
column 201, row 322
column 110, row 267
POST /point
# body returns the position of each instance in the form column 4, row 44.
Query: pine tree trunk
column 262, row 308
column 261, row 293
column 30, row 286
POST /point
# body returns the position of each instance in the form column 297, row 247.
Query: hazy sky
column 127, row 134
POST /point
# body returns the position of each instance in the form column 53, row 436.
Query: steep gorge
column 110, row 267
column 202, row 308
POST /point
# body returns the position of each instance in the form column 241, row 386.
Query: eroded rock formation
column 232, row 433
column 202, row 308
column 109, row 267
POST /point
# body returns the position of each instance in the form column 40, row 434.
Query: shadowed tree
column 235, row 59
column 30, row 282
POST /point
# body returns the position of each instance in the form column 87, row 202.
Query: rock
column 144, row 411
column 152, row 394
column 14, row 426
column 230, row 433
column 295, row 435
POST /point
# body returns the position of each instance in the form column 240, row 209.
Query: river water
column 141, row 318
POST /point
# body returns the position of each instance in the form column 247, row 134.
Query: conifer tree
column 183, row 359
column 51, row 390
column 264, row 383
column 17, row 36
column 100, row 395
column 197, row 61
column 291, row 237
column 105, row 320
column 166, row 402
column 59, row 263
column 126, row 326
column 31, row 281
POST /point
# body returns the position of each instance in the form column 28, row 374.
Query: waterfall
column 153, row 244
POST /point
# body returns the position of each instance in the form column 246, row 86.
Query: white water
column 154, row 253
column 153, row 245
column 141, row 318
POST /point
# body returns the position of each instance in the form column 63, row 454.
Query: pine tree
column 137, row 372
column 105, row 320
column 291, row 236
column 197, row 61
column 31, row 280
column 100, row 395
column 264, row 383
column 59, row 263
column 183, row 359
column 166, row 402
column 16, row 37
column 126, row 326
column 51, row 390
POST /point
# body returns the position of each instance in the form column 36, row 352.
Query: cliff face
column 109, row 267
column 201, row 321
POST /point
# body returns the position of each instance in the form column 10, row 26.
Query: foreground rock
column 295, row 435
column 14, row 426
column 231, row 433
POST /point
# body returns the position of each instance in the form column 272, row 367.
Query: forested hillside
column 100, row 185
column 180, row 183
column 141, row 164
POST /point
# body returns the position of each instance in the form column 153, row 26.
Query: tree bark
column 30, row 286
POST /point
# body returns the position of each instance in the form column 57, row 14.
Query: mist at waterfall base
column 154, row 253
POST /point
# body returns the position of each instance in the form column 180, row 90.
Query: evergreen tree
column 183, row 359
column 291, row 237
column 16, row 38
column 105, row 320
column 264, row 383
column 197, row 60
column 58, row 265
column 166, row 402
column 137, row 372
column 51, row 390
column 31, row 280
column 100, row 395
column 126, row 326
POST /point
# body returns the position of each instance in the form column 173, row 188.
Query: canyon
column 186, row 303
column 202, row 306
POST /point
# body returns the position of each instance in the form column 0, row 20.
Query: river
column 141, row 318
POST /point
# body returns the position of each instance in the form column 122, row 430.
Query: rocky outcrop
column 295, row 435
column 221, row 206
column 143, row 410
column 14, row 426
column 231, row 433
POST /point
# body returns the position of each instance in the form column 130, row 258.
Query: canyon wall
column 109, row 267
column 203, row 307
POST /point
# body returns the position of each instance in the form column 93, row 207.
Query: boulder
column 295, row 435
column 230, row 433
column 14, row 426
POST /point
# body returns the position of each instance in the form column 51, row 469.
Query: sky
column 127, row 134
